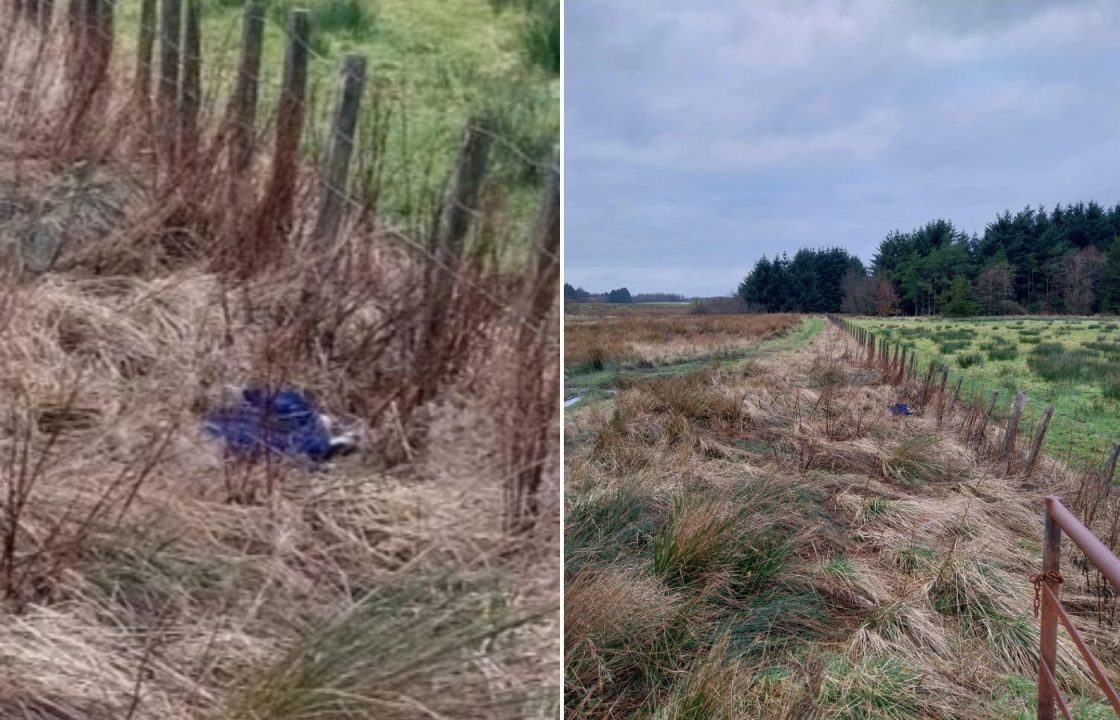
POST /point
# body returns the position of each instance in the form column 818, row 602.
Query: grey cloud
column 700, row 135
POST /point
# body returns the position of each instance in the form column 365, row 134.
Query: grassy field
column 1070, row 363
column 433, row 64
column 602, row 351
column 763, row 539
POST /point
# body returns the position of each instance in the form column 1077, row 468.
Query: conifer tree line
column 1066, row 260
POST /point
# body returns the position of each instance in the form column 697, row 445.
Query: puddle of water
column 572, row 400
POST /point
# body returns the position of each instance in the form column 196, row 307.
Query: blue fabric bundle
column 279, row 421
column 900, row 409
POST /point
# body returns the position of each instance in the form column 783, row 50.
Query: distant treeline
column 1066, row 260
column 620, row 295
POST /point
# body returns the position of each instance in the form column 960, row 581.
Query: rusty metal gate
column 1057, row 519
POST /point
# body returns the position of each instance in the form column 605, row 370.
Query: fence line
column 176, row 117
column 878, row 352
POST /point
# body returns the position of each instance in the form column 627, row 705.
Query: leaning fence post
column 170, row 14
column 332, row 207
column 987, row 416
column 957, row 392
column 1048, row 641
column 243, row 106
column 1012, row 429
column 910, row 370
column 191, row 92
column 1036, row 445
column 1110, row 468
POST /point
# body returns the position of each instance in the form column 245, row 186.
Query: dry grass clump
column 834, row 561
column 591, row 345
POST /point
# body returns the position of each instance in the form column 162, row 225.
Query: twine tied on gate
column 1037, row 579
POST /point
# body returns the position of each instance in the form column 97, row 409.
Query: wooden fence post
column 243, row 106
column 289, row 129
column 169, row 51
column 957, row 392
column 901, row 375
column 460, row 206
column 987, row 417
column 1012, row 430
column 1036, row 445
column 190, row 94
column 332, row 208
column 927, row 387
column 145, row 42
column 910, row 370
column 1110, row 469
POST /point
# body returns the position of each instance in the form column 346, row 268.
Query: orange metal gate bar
column 1057, row 519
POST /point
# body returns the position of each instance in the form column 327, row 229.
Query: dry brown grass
column 145, row 574
column 791, row 550
column 635, row 340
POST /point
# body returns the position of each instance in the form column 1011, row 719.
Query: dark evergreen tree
column 620, row 295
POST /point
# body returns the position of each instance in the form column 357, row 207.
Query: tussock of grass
column 967, row 360
column 1057, row 363
column 915, row 459
column 388, row 655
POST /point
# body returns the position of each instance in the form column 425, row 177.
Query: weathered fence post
column 169, row 52
column 910, row 369
column 243, row 106
column 145, row 42
column 332, row 207
column 1036, row 445
column 461, row 204
column 1048, row 646
column 280, row 196
column 1012, row 430
column 987, row 416
column 1110, row 469
column 190, row 93
column 928, row 386
column 898, row 378
column 956, row 392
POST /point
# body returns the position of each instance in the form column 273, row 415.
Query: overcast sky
column 701, row 134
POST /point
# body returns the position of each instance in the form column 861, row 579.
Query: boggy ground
column 765, row 540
